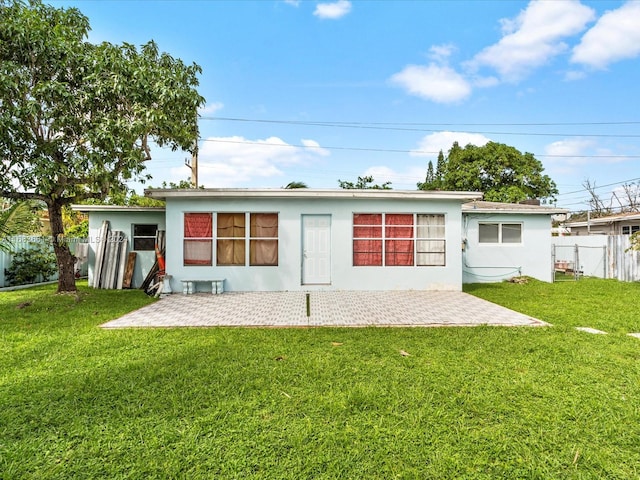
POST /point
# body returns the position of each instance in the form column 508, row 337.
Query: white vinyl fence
column 602, row 256
column 19, row 243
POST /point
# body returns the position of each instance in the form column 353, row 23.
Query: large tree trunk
column 64, row 258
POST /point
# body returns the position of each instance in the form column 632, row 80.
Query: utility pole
column 193, row 164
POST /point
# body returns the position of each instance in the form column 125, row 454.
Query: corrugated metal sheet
column 624, row 263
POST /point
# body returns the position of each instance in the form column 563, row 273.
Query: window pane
column 431, row 226
column 263, row 252
column 367, row 225
column 367, row 253
column 398, row 225
column 488, row 232
column 231, row 225
column 198, row 225
column 367, row 219
column 264, row 225
column 140, row 230
column 511, row 233
column 431, row 252
column 230, row 252
column 198, row 252
column 626, row 230
column 399, row 253
column 142, row 244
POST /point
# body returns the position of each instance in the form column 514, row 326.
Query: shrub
column 29, row 264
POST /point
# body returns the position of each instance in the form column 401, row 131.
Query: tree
column 501, row 172
column 364, row 183
column 441, row 169
column 295, row 184
column 429, row 180
column 77, row 119
column 18, row 218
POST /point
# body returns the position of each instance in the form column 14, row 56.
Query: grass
column 80, row 402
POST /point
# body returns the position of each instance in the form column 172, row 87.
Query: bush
column 36, row 261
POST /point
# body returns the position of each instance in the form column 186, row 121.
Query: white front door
column 316, row 249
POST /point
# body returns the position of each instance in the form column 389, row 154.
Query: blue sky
column 317, row 91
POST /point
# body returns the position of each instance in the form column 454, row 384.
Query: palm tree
column 296, row 185
column 15, row 218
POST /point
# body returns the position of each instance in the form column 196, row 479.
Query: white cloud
column 332, row 10
column 616, row 36
column 533, row 38
column 569, row 151
column 431, row 145
column 236, row 161
column 573, row 75
column 441, row 53
column 295, row 3
column 211, row 108
column 314, row 147
column 575, row 152
column 437, row 83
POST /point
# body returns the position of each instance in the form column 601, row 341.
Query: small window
column 500, row 233
column 144, row 236
column 489, row 233
column 629, row 229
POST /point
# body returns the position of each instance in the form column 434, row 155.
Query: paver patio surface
column 335, row 308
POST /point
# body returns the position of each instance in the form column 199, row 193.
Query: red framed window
column 198, row 239
column 367, row 239
column 398, row 239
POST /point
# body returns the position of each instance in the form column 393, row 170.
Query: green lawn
column 77, row 401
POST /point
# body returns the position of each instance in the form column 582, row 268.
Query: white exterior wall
column 124, row 221
column 483, row 263
column 288, row 274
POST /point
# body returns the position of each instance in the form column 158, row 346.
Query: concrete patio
column 325, row 309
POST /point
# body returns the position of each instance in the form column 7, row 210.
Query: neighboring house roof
column 309, row 193
column 623, row 217
column 497, row 207
column 114, row 208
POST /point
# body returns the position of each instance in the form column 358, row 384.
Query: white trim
column 224, row 193
column 114, row 208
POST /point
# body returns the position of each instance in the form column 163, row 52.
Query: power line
column 389, row 150
column 387, row 126
column 602, row 186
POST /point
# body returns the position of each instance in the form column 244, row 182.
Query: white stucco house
column 310, row 239
column 503, row 240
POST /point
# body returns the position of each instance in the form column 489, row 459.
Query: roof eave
column 214, row 193
column 115, row 208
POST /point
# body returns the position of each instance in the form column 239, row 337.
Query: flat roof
column 114, row 208
column 499, row 207
column 165, row 193
column 605, row 220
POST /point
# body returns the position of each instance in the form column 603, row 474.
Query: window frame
column 135, row 237
column 631, row 229
column 246, row 237
column 379, row 237
column 197, row 239
column 254, row 241
column 501, row 228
